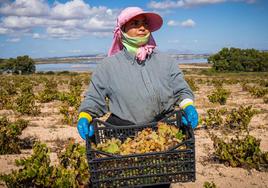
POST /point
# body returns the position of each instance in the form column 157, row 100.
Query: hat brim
column 155, row 21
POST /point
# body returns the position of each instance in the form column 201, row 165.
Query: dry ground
column 48, row 128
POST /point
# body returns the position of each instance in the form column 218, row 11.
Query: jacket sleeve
column 94, row 102
column 181, row 89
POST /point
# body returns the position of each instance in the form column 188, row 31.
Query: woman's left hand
column 191, row 116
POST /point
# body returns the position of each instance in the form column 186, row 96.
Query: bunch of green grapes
column 165, row 137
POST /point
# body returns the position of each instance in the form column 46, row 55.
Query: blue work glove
column 83, row 125
column 191, row 115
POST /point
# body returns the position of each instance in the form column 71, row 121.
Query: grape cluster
column 165, row 137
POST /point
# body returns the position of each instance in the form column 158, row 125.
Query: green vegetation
column 72, row 98
column 70, row 114
column 265, row 99
column 214, row 118
column 219, row 95
column 36, row 170
column 209, row 185
column 234, row 119
column 256, row 91
column 9, row 135
column 235, row 59
column 22, row 93
column 71, row 101
column 25, row 103
column 218, row 83
column 50, row 92
column 240, row 118
column 20, row 65
column 7, row 92
column 192, row 84
column 241, row 152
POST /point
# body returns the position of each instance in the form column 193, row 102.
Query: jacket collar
column 132, row 58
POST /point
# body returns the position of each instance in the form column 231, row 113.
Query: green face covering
column 133, row 43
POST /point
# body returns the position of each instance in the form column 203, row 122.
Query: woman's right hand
column 84, row 127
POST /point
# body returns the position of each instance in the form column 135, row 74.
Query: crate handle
column 94, row 122
column 107, row 154
column 175, row 147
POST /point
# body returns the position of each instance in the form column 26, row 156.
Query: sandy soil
column 48, row 128
column 195, row 66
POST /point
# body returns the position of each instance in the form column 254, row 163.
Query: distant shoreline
column 56, row 60
column 87, row 67
column 61, row 61
column 78, row 64
column 86, row 61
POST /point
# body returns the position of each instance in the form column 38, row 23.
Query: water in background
column 72, row 67
column 90, row 66
column 189, row 61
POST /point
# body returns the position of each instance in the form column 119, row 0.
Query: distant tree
column 20, row 65
column 236, row 59
column 6, row 65
column 24, row 65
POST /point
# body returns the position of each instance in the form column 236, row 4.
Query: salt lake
column 90, row 66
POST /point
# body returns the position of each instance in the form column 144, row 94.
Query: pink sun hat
column 155, row 22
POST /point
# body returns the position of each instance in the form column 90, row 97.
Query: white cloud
column 21, row 22
column 37, row 36
column 75, row 9
column 109, row 12
column 168, row 4
column 13, row 40
column 25, row 8
column 247, row 1
column 101, row 34
column 3, row 31
column 171, row 4
column 96, row 24
column 69, row 20
column 173, row 23
column 63, row 33
column 174, row 41
column 73, row 23
column 59, row 33
column 188, row 23
column 165, row 4
column 52, row 51
column 191, row 3
column 74, row 51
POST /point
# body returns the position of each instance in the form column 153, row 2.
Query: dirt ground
column 48, row 128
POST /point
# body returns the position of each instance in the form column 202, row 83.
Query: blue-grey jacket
column 137, row 92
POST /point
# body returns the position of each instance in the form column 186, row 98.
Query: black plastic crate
column 137, row 170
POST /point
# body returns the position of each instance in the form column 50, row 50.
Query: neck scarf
column 142, row 51
column 133, row 43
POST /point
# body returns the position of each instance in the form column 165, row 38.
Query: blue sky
column 51, row 28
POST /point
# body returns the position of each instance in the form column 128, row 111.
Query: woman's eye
column 139, row 23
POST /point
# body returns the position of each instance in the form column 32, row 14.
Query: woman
column 142, row 84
